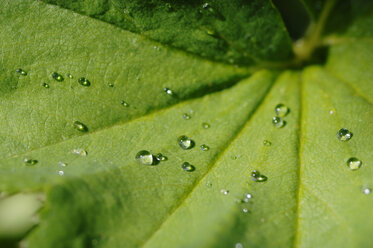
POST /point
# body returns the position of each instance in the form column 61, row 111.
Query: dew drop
column 267, row 143
column 83, row 81
column 245, row 210
column 224, row 191
column 185, row 142
column 238, row 245
column 145, row 157
column 278, row 122
column 168, row 91
column 124, row 103
column 367, row 191
column 80, row 152
column 80, row 126
column 22, row 72
column 233, row 157
column 161, row 157
column 45, row 85
column 186, row 116
column 204, row 147
column 207, row 9
column 205, row 125
column 62, row 164
column 57, row 77
column 61, row 173
column 344, row 134
column 257, row 177
column 208, row 184
column 111, row 85
column 70, row 76
column 354, row 163
column 29, row 161
column 187, row 167
column 281, row 110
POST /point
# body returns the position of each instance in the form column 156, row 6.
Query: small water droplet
column 57, row 77
column 281, row 110
column 70, row 76
column 168, row 91
column 208, row 184
column 238, row 245
column 111, row 85
column 354, row 163
column 22, row 72
column 187, row 167
column 83, row 81
column 60, row 163
column 331, row 112
column 161, row 157
column 224, row 191
column 185, row 142
column 207, row 9
column 80, row 152
column 233, row 157
column 278, row 122
column 267, row 143
column 145, row 157
column 29, row 161
column 124, row 103
column 186, row 116
column 61, row 173
column 367, row 191
column 80, row 126
column 205, row 125
column 257, row 177
column 344, row 134
column 205, row 147
column 245, row 210
column 45, row 85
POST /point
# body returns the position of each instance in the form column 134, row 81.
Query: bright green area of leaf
column 235, row 31
column 108, row 199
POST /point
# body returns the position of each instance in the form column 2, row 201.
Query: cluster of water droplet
column 281, row 111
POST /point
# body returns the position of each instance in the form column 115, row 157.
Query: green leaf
column 103, row 197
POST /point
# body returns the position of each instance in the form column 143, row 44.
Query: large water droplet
column 45, row 85
column 278, row 122
column 22, row 72
column 83, row 81
column 257, row 177
column 80, row 126
column 29, row 161
column 145, row 157
column 267, row 143
column 161, row 157
column 205, row 125
column 57, row 77
column 186, row 116
column 281, row 110
column 187, row 167
column 344, row 134
column 354, row 163
column 185, row 142
column 205, row 147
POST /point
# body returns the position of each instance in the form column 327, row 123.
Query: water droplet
column 186, row 116
column 344, row 135
column 208, row 184
column 29, row 161
column 233, row 157
column 185, row 142
column 80, row 126
column 22, row 72
column 224, row 191
column 61, row 173
column 187, row 167
column 245, row 210
column 207, row 9
column 57, row 77
column 124, row 103
column 205, row 125
column 45, row 85
column 267, row 143
column 145, row 157
column 257, row 177
column 211, row 32
column 83, row 81
column 238, row 245
column 169, row 92
column 367, row 191
column 161, row 157
column 248, row 196
column 354, row 163
column 111, row 85
column 331, row 112
column 80, row 152
column 62, row 164
column 281, row 110
column 205, row 147
column 69, row 76
column 278, row 122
